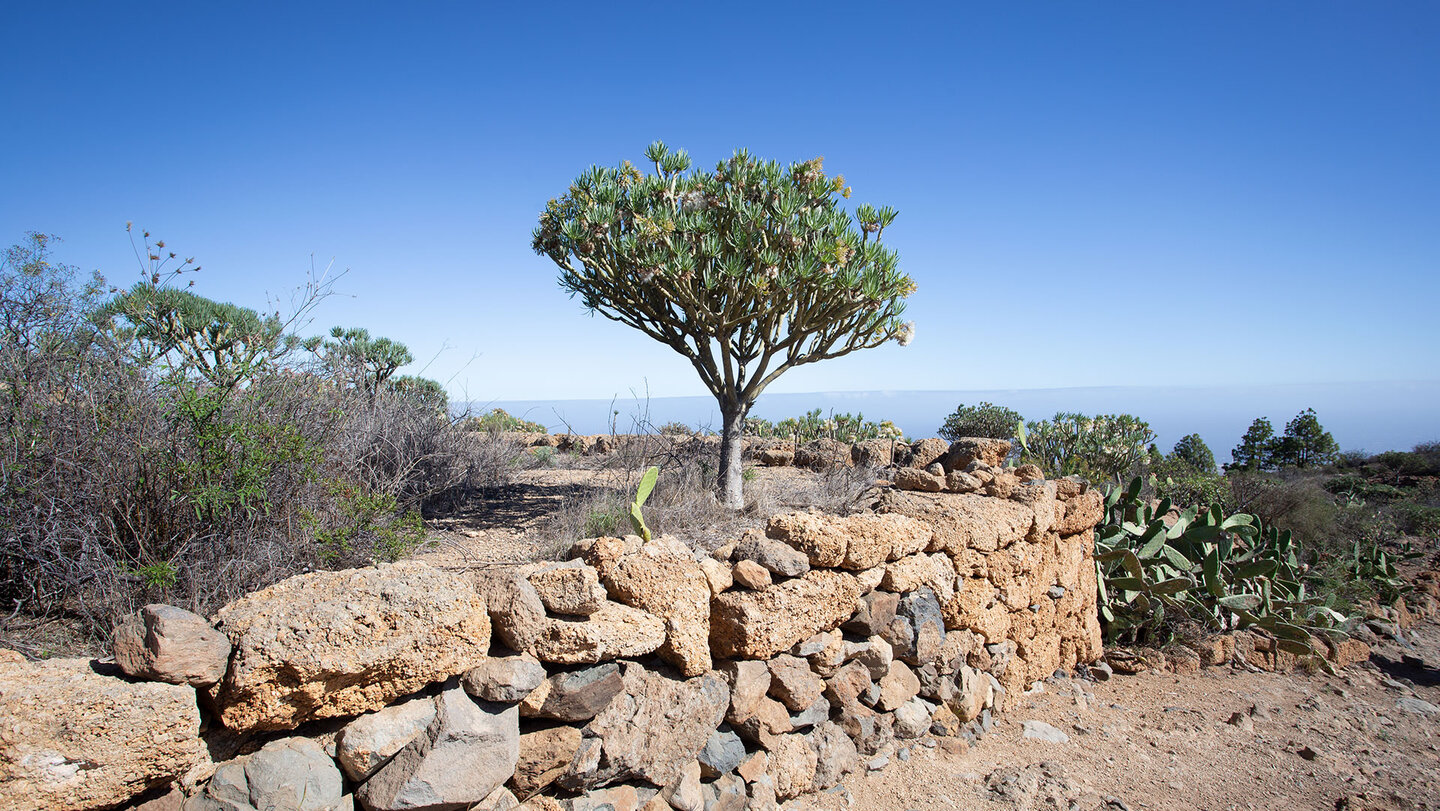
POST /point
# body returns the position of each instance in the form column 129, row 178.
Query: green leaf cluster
column 1228, row 572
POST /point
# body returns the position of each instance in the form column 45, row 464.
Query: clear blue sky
column 1089, row 193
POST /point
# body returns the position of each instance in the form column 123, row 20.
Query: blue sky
column 1092, row 194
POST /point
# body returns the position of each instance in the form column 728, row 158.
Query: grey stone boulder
column 504, row 679
column 169, row 644
column 918, row 631
column 575, row 696
column 779, row 558
column 289, row 773
column 723, row 751
column 466, row 752
column 293, row 773
column 629, row 729
column 367, row 742
column 912, row 719
column 836, row 755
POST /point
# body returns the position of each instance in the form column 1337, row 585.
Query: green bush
column 984, row 420
column 499, row 420
column 1420, row 520
column 1100, row 448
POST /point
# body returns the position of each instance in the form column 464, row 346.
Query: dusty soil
column 1367, row 738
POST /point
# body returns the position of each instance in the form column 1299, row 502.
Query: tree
column 1306, row 443
column 984, row 420
column 1193, row 451
column 1256, row 448
column 364, row 361
column 747, row 271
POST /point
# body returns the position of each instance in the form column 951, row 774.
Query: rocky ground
column 1367, row 738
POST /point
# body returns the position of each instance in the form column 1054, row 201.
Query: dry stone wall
column 634, row 675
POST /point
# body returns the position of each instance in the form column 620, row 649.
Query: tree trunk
column 730, row 484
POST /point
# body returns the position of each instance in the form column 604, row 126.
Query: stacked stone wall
column 634, row 674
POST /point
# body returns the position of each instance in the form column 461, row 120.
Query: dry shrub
column 124, row 480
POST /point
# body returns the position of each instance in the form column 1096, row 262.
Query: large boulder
column 760, row 624
column 578, row 695
column 962, row 452
column 613, row 631
column 75, row 736
column 629, row 731
column 330, row 644
column 677, row 591
column 466, row 752
column 545, row 754
column 963, row 521
column 854, row 542
column 165, row 643
column 569, row 588
column 777, row 557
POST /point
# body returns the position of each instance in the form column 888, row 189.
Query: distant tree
column 1306, row 443
column 1192, row 450
column 1255, row 449
column 746, row 271
column 984, row 420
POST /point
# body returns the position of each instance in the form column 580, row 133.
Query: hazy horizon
column 1375, row 417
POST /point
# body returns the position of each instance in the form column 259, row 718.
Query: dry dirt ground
column 1367, row 738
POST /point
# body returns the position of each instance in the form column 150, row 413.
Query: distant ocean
column 1362, row 416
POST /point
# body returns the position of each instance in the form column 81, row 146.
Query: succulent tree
column 747, row 271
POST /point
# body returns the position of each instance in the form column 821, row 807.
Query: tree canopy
column 747, row 270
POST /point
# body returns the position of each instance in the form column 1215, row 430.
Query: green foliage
column 1370, row 563
column 226, row 460
column 675, row 429
column 642, row 492
column 1421, row 520
column 367, row 526
column 544, row 456
column 157, row 576
column 747, row 271
column 984, row 420
column 498, row 419
column 1224, row 571
column 604, row 521
column 1192, row 450
column 1305, row 443
column 1103, row 447
column 813, row 425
